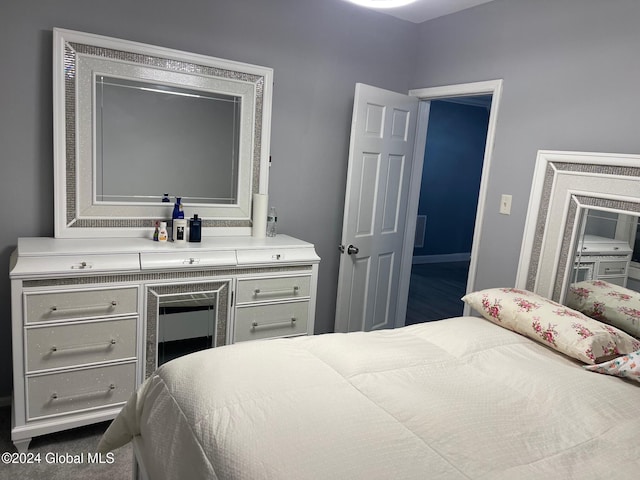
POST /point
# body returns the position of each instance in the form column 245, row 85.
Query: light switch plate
column 505, row 204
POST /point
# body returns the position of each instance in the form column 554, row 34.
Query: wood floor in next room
column 435, row 291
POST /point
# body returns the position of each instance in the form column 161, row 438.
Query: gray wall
column 318, row 50
column 571, row 75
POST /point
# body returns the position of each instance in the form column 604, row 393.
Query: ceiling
column 423, row 10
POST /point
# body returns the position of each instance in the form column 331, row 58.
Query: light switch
column 505, row 204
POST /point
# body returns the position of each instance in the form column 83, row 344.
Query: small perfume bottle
column 156, row 232
column 195, row 228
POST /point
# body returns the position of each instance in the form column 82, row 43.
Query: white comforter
column 455, row 399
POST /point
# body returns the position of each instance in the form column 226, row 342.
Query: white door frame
column 492, row 87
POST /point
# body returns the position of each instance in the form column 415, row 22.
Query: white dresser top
column 36, row 256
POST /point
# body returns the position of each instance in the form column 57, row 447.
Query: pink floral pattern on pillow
column 581, row 330
column 609, row 303
column 552, row 324
column 548, row 334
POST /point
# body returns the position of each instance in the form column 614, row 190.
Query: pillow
column 552, row 324
column 627, row 366
column 608, row 303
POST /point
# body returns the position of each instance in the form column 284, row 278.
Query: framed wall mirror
column 135, row 124
column 582, row 223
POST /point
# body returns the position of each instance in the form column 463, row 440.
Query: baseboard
column 448, row 257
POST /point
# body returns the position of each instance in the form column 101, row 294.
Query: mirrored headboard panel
column 568, row 186
column 133, row 122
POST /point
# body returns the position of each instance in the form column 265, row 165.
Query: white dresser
column 88, row 315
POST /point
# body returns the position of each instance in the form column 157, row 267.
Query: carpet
column 67, row 455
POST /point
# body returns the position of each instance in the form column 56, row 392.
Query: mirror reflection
column 186, row 324
column 604, row 283
column 168, row 139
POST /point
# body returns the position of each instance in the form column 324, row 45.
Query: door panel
column 380, row 158
column 392, row 205
column 366, row 200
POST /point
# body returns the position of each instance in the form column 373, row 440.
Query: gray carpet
column 75, row 442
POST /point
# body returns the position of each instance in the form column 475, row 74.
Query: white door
column 380, row 163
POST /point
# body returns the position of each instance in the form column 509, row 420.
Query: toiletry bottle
column 195, row 229
column 177, row 213
column 162, row 233
column 177, row 209
column 156, row 232
column 272, row 220
column 165, row 198
column 179, row 230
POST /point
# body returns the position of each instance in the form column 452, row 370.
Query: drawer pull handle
column 257, row 291
column 81, row 266
column 90, row 393
column 291, row 322
column 54, row 308
column 104, row 345
column 191, row 261
column 609, row 271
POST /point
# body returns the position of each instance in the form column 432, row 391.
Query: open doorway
column 492, row 88
column 451, row 175
column 377, row 255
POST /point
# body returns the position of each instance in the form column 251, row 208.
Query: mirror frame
column 76, row 213
column 564, row 185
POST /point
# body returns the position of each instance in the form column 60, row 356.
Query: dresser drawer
column 80, row 343
column 264, row 289
column 70, row 304
column 266, row 321
column 612, row 268
column 79, row 390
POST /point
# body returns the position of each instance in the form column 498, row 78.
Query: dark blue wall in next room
column 453, row 160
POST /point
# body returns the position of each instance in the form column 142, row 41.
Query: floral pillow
column 608, row 303
column 627, row 366
column 552, row 324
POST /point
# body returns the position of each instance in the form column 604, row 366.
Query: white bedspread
column 455, row 399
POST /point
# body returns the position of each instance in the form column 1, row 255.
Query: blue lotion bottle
column 178, row 213
column 195, row 229
column 177, row 209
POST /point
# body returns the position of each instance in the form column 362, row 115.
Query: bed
column 461, row 398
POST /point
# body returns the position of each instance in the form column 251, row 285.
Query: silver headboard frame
column 78, row 217
column 564, row 184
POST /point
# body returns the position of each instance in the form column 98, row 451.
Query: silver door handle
column 351, row 250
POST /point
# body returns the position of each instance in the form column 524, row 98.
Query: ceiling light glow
column 382, row 3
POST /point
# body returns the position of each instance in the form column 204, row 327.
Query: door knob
column 351, row 250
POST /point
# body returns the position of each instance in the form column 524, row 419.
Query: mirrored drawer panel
column 80, row 343
column 265, row 321
column 77, row 390
column 65, row 305
column 264, row 289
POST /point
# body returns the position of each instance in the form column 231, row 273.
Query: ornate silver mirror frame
column 78, row 59
column 565, row 184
